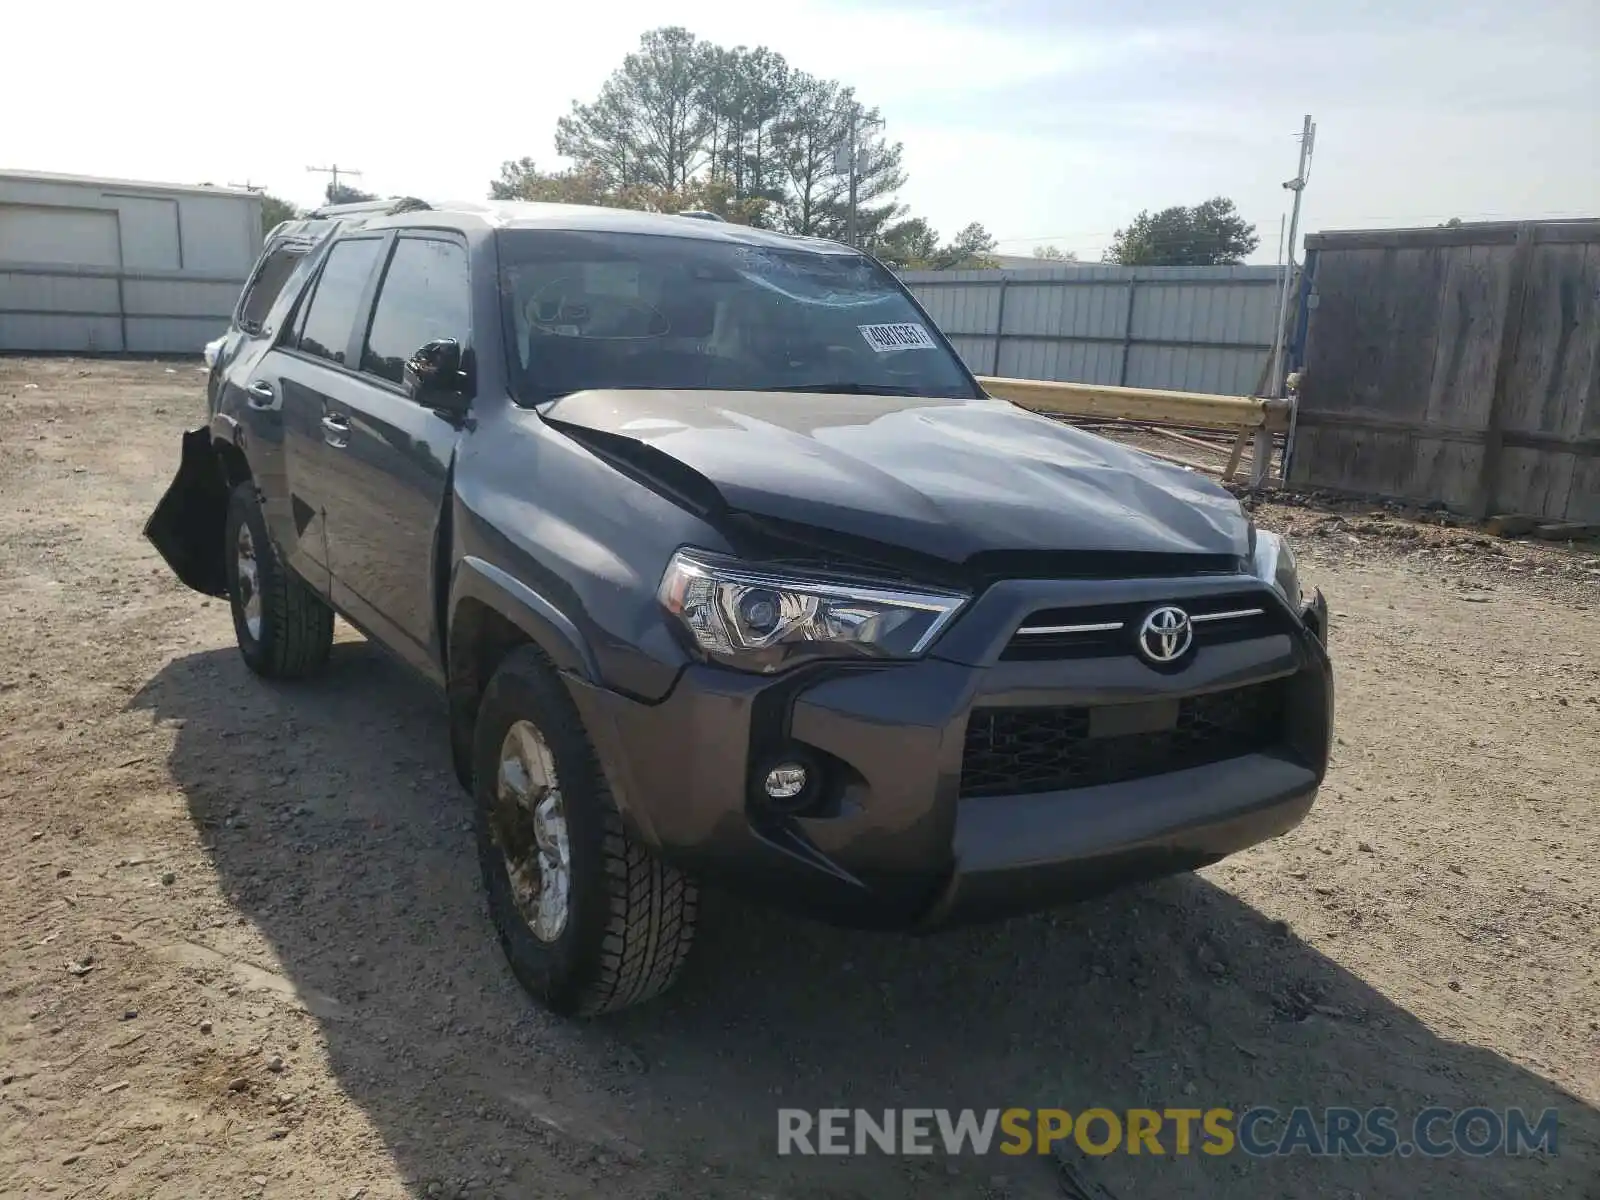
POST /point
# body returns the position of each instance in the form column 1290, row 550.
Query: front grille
column 1107, row 630
column 1010, row 751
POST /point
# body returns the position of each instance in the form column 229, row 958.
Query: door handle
column 336, row 430
column 261, row 395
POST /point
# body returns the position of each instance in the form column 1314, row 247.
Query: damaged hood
column 949, row 478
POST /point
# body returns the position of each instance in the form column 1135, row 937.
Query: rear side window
column 325, row 331
column 262, row 290
column 425, row 297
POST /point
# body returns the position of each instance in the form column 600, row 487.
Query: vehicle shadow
column 337, row 830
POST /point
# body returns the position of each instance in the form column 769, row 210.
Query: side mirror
column 436, row 378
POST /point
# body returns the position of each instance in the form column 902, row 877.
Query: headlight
column 1273, row 562
column 759, row 621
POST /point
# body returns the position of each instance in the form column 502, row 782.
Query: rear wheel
column 284, row 629
column 590, row 921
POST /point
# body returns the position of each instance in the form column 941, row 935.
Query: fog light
column 785, row 781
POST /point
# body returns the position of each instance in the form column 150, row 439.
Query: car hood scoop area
column 949, row 479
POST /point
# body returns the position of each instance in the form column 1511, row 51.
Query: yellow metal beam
column 1142, row 404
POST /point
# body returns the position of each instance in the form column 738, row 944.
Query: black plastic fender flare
column 545, row 625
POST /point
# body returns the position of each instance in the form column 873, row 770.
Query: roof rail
column 702, row 215
column 394, row 204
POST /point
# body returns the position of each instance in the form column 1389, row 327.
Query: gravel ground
column 245, row 952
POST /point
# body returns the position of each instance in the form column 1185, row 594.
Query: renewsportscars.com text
column 1258, row 1131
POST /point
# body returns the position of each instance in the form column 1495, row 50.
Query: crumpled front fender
column 187, row 525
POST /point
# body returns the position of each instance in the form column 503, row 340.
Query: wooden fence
column 1456, row 365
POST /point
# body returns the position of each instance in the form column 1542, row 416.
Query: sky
column 1048, row 121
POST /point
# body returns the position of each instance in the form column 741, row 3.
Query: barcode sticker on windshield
column 883, row 338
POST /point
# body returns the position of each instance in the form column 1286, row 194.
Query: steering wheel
column 598, row 317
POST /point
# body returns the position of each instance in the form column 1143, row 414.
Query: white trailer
column 93, row 265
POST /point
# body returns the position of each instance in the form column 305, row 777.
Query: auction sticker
column 883, row 338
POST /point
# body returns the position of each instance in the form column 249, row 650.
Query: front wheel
column 284, row 629
column 590, row 921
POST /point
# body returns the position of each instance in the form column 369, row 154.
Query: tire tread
column 650, row 907
column 297, row 623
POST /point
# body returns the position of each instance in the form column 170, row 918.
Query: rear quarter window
column 266, row 285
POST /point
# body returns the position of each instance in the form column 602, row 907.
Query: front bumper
column 894, row 842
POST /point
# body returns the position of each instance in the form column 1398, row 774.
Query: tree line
column 684, row 124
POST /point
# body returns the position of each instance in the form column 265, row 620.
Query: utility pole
column 1297, row 185
column 850, row 234
column 335, row 171
column 1262, row 454
column 852, row 148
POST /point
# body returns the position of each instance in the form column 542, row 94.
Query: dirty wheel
column 285, row 630
column 589, row 920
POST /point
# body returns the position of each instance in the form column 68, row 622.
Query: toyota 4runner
column 730, row 570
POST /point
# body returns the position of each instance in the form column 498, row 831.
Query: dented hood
column 949, row 478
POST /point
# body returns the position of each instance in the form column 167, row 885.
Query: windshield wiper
column 845, row 387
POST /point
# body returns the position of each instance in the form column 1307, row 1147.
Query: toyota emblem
column 1165, row 635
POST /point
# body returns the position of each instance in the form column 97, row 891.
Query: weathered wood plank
column 1583, row 500
column 1334, row 335
column 1364, row 462
column 1471, row 310
column 1141, row 404
column 1483, row 233
column 1535, row 481
column 1417, row 285
column 1555, row 369
column 1510, row 334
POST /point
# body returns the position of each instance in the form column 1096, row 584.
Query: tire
column 628, row 917
column 290, row 633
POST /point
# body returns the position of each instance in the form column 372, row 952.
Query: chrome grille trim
column 1235, row 615
column 1102, row 627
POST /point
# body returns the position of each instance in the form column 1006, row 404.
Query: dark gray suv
column 729, row 569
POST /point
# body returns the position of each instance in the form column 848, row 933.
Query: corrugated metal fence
column 1193, row 329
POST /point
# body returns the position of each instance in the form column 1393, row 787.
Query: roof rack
column 394, row 204
column 702, row 215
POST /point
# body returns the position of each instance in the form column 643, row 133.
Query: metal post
column 1260, row 458
column 999, row 324
column 1127, row 334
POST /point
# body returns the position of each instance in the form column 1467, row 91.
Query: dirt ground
column 245, row 954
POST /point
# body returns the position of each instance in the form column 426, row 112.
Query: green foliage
column 1054, row 254
column 1211, row 233
column 971, row 249
column 684, row 123
column 343, row 193
column 908, row 245
column 652, row 119
column 521, row 179
column 274, row 212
